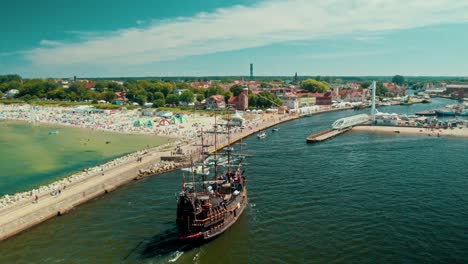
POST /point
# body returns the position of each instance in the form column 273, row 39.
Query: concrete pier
column 324, row 135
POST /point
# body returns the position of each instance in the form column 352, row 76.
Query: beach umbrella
column 137, row 123
column 149, row 123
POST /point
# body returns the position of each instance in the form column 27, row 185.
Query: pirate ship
column 208, row 206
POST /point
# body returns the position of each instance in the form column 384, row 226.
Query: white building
column 11, row 93
column 290, row 101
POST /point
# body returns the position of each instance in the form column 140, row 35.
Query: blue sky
column 87, row 38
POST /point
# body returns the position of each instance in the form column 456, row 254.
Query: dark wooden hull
column 231, row 215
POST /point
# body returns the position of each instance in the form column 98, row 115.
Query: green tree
column 236, row 89
column 381, row 90
column 315, row 86
column 14, row 84
column 172, row 99
column 398, row 79
column 366, row 84
column 100, row 86
column 214, row 90
column 183, row 85
column 166, row 88
column 57, row 93
column 227, row 95
column 159, row 102
column 187, row 96
column 108, row 96
column 3, row 87
column 200, row 97
column 264, row 99
column 72, row 96
column 115, row 87
column 253, row 98
column 79, row 88
column 158, row 95
column 10, row 77
column 140, row 98
column 35, row 87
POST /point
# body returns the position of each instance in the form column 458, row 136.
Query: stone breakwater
column 160, row 167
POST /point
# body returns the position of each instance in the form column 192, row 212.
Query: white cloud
column 334, row 55
column 241, row 27
column 51, row 43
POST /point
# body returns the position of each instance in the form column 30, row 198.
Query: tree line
column 158, row 92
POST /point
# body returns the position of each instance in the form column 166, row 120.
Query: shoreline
column 27, row 211
column 439, row 132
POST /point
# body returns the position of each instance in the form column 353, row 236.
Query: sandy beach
column 428, row 132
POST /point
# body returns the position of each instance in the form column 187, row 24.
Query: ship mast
column 193, row 176
column 228, row 149
column 216, row 147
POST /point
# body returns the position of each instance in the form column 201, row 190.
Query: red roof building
column 90, row 85
column 241, row 101
column 215, row 102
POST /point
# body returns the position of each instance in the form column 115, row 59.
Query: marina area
column 419, row 123
column 351, row 210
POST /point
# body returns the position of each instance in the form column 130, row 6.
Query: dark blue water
column 360, row 198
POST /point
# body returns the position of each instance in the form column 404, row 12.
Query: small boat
column 445, row 112
column 53, row 132
column 425, row 113
column 464, row 112
column 275, row 129
column 197, row 170
column 360, row 106
column 261, row 135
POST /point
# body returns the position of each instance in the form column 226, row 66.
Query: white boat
column 198, row 170
column 261, row 135
column 275, row 129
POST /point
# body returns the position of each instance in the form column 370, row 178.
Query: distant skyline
column 87, row 38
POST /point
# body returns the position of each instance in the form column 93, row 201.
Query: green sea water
column 31, row 156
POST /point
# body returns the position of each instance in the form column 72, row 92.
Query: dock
column 426, row 113
column 324, row 135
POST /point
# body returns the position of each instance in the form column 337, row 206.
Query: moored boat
column 261, row 135
column 445, row 112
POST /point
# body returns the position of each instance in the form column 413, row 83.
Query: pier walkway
column 324, row 135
